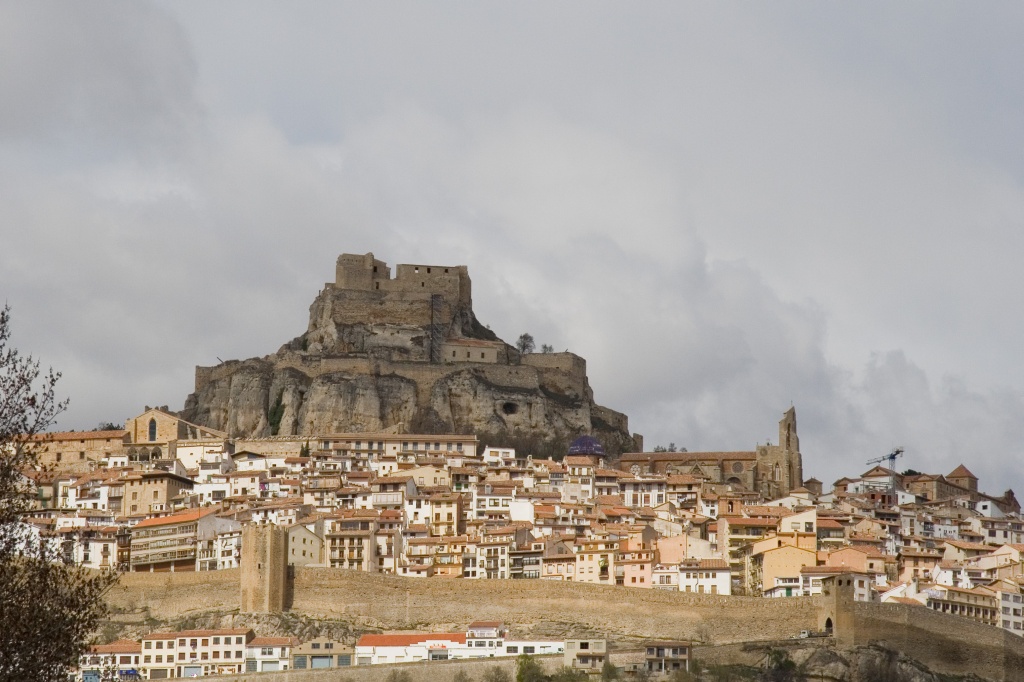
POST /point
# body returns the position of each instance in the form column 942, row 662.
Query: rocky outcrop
column 405, row 354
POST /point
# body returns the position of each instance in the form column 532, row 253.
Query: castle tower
column 264, row 569
column 836, row 611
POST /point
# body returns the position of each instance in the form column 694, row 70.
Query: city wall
column 753, row 653
column 534, row 608
column 543, row 609
column 949, row 644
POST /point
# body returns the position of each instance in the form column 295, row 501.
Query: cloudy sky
column 727, row 208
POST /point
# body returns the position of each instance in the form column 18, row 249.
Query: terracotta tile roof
column 686, row 456
column 180, row 517
column 197, row 633
column 971, row 546
column 745, row 522
column 121, row 646
column 961, row 472
column 709, row 564
column 80, row 435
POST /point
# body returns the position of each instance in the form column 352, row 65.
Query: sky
column 726, row 208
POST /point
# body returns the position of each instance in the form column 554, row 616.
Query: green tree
column 780, row 668
column 47, row 609
column 529, row 670
column 497, row 674
column 547, row 348
column 681, row 675
column 567, row 674
column 609, row 673
column 525, row 343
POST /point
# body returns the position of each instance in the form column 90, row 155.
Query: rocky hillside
column 405, row 354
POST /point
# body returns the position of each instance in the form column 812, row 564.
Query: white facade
column 705, row 580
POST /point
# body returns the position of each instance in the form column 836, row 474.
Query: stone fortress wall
column 548, row 609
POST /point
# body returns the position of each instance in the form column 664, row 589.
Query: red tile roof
column 180, row 517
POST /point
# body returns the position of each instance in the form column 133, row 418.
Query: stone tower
column 780, row 467
column 264, row 569
column 835, row 614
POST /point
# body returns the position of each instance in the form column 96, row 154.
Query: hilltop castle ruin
column 402, row 353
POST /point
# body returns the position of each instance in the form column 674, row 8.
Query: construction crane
column 891, row 457
column 898, row 452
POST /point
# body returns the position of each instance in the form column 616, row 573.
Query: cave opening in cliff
column 510, row 408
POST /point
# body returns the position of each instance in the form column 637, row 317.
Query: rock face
column 402, row 354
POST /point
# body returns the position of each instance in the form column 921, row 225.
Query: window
column 152, row 430
column 267, row 651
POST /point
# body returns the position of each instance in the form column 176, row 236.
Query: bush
column 398, row 676
column 497, row 674
column 529, row 670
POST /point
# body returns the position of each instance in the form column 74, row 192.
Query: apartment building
column 595, row 560
column 194, row 653
column 147, row 492
column 664, row 658
column 169, row 543
column 585, row 654
column 351, row 539
column 269, row 654
column 122, row 656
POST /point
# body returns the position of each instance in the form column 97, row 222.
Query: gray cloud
column 724, row 211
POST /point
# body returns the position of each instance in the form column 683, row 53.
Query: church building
column 770, row 470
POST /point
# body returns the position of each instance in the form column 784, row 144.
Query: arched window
column 778, row 472
column 152, row 429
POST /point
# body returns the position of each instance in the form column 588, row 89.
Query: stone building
column 78, row 451
column 771, row 470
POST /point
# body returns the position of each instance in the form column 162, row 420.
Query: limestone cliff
column 407, row 354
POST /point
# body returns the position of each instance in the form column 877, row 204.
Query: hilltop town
column 185, row 492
